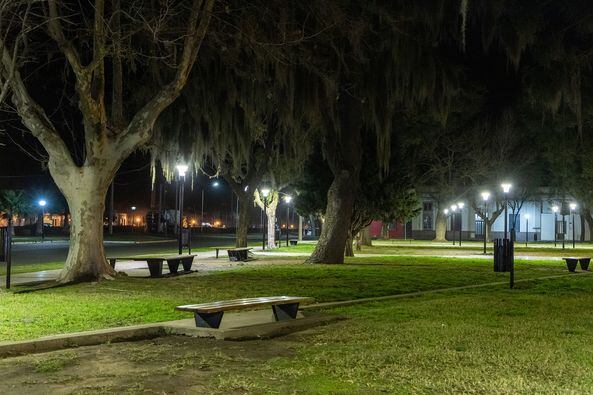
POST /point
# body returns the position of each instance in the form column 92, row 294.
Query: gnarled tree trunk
column 344, row 156
column 440, row 227
column 85, row 194
column 365, row 236
column 348, row 249
column 244, row 220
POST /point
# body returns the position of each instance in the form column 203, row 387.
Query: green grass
column 534, row 339
column 400, row 247
column 126, row 300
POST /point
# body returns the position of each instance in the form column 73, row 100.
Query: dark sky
column 132, row 185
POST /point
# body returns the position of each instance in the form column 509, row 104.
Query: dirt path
column 168, row 365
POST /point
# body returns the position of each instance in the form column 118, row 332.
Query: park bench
column 293, row 242
column 155, row 264
column 209, row 315
column 571, row 263
column 240, row 254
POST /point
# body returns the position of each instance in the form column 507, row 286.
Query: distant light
column 138, row 219
column 485, row 195
column 573, row 206
column 506, row 188
column 133, row 208
column 446, row 211
column 527, row 216
column 287, row 198
column 42, row 203
column 181, row 169
column 453, row 207
column 265, row 192
column 215, row 184
column 246, row 188
column 460, row 205
column 555, row 209
column 291, row 226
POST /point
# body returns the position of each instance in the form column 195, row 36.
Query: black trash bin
column 503, row 255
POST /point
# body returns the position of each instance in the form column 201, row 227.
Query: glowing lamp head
column 287, row 198
column 453, row 207
column 555, row 209
column 527, row 216
column 181, row 169
column 485, row 196
column 573, row 206
column 215, row 184
column 42, row 203
column 265, row 192
column 460, row 205
column 133, row 208
column 506, row 188
column 446, row 211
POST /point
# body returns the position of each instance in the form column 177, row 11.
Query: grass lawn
column 126, row 301
column 536, row 338
column 400, row 247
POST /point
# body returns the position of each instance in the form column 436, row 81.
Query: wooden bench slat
column 239, row 304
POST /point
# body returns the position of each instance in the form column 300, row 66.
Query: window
column 427, row 206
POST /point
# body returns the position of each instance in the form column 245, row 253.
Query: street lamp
column 215, row 184
column 132, row 217
column 287, row 200
column 485, row 197
column 573, row 207
column 265, row 192
column 555, row 210
column 181, row 170
column 506, row 188
column 453, row 210
column 460, row 205
column 526, row 229
column 42, row 203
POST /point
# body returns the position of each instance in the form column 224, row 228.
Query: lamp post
column 573, row 207
column 181, row 170
column 460, row 205
column 485, row 197
column 506, row 188
column 42, row 203
column 453, row 210
column 265, row 192
column 526, row 229
column 132, row 216
column 287, row 200
column 555, row 210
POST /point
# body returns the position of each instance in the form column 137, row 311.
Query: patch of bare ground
column 167, row 365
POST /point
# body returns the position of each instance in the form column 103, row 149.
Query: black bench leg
column 285, row 311
column 217, row 253
column 155, row 267
column 173, row 266
column 208, row 320
column 187, row 263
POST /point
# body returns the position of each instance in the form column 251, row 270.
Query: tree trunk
column 85, row 194
column 344, row 156
column 385, row 230
column 489, row 229
column 244, row 220
column 340, row 203
column 271, row 214
column 366, row 239
column 348, row 249
column 440, row 227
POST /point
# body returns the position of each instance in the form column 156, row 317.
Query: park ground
column 535, row 338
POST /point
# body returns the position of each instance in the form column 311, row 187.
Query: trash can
column 503, row 255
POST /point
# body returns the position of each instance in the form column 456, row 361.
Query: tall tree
column 125, row 34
